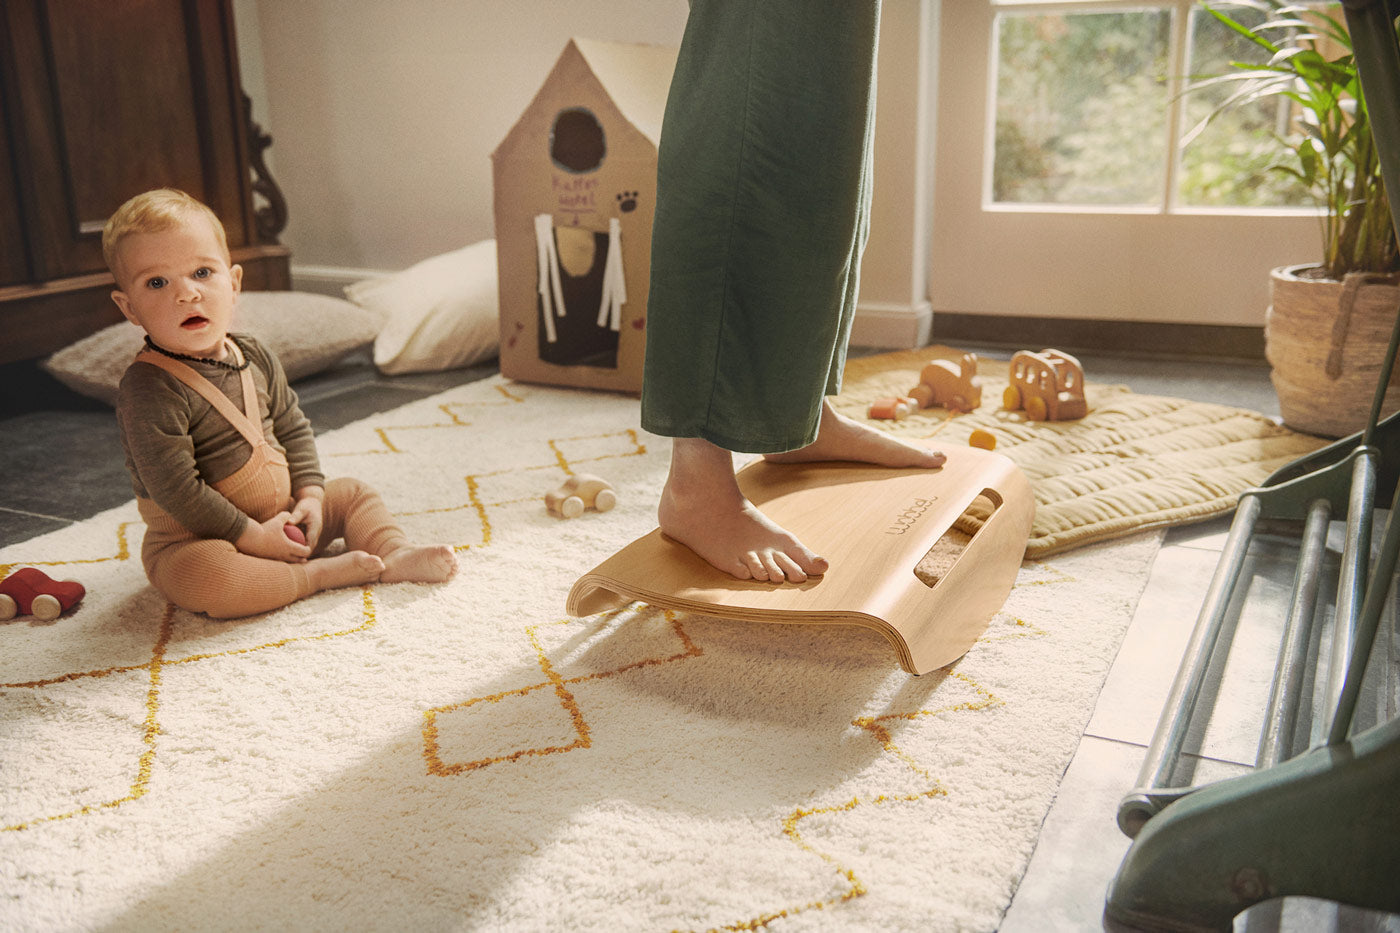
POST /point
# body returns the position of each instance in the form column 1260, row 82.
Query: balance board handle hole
column 936, row 564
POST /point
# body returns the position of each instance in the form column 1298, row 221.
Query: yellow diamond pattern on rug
column 458, row 756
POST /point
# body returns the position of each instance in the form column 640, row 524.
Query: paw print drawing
column 627, row 201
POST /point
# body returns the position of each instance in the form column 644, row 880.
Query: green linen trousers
column 763, row 198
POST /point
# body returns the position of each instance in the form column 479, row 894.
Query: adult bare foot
column 702, row 508
column 841, row 438
column 348, row 569
column 434, row 563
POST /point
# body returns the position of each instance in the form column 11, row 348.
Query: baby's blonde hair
column 154, row 212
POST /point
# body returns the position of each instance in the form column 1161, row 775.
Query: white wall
column 384, row 115
column 383, row 118
column 894, row 309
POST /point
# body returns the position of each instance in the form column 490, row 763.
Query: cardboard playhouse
column 575, row 193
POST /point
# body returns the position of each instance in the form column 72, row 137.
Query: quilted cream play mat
column 1133, row 462
column 468, row 757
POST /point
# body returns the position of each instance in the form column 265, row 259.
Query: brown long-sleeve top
column 177, row 444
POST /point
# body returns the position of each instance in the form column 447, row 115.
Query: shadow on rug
column 464, row 756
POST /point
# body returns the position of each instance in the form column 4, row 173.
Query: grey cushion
column 308, row 332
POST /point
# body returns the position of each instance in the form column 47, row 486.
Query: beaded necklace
column 200, row 359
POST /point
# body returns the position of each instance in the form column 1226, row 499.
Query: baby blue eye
column 203, row 272
column 156, row 282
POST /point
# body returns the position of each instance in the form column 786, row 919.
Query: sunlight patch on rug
column 467, row 757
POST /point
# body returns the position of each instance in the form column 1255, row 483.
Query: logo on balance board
column 906, row 519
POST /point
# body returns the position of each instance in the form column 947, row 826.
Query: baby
column 221, row 458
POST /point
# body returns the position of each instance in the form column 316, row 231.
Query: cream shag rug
column 466, row 757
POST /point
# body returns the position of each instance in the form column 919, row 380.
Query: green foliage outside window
column 1081, row 107
column 1083, row 100
column 1231, row 159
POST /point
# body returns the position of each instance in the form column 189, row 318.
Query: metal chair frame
column 1324, row 822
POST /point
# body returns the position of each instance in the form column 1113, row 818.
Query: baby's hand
column 269, row 540
column 308, row 514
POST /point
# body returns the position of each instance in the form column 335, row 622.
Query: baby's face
column 178, row 287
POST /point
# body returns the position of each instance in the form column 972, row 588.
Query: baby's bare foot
column 434, row 563
column 841, row 438
column 351, row 568
column 702, row 508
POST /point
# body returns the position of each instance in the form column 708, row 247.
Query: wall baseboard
column 1126, row 338
column 329, row 280
column 891, row 326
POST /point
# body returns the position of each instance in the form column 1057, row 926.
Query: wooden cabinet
column 100, row 100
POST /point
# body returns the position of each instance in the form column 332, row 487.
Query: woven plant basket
column 1326, row 341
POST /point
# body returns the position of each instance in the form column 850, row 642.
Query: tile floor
column 1081, row 847
column 60, row 462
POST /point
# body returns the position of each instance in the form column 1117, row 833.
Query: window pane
column 1228, row 163
column 1081, row 107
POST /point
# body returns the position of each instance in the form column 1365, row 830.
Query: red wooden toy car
column 29, row 591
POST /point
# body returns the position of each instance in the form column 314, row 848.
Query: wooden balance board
column 874, row 524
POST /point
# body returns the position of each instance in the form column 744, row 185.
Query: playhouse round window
column 576, row 141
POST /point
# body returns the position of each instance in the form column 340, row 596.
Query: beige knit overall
column 210, row 575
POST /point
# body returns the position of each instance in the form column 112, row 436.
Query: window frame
column 1161, row 264
column 1177, row 80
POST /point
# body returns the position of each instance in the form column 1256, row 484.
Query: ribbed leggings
column 213, row 577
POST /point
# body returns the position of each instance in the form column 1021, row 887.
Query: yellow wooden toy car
column 1049, row 385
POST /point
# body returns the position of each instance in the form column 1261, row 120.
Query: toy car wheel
column 1035, row 408
column 571, row 507
column 7, row 607
column 1011, row 398
column 605, row 500
column 46, row 607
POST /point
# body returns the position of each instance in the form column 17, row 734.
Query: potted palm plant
column 1329, row 321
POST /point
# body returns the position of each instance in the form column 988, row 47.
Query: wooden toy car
column 954, row 386
column 29, row 591
column 1049, row 385
column 579, row 492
